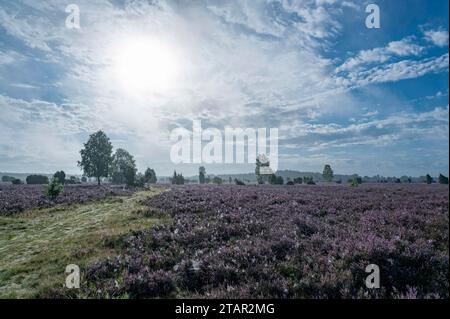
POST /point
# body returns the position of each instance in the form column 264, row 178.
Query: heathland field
column 227, row 241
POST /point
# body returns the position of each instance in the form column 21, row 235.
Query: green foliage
column 308, row 180
column 276, row 180
column 356, row 181
column 16, row 181
column 150, row 176
column 123, row 167
column 290, row 183
column 217, row 180
column 443, row 179
column 96, row 156
column 61, row 176
column 298, row 180
column 328, row 173
column 53, row 189
column 177, row 179
column 239, row 182
column 428, row 179
column 262, row 169
column 201, row 174
column 7, row 179
column 37, row 179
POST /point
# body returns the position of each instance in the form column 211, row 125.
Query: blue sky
column 367, row 101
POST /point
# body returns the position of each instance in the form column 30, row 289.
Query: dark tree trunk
column 98, row 181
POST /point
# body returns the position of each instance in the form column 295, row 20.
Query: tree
column 123, row 167
column 280, row 180
column 61, row 176
column 96, row 156
column 308, row 180
column 150, row 176
column 327, row 173
column 6, row 178
column 53, row 189
column 298, row 180
column 201, row 174
column 83, row 179
column 443, row 179
column 262, row 169
column 177, row 179
column 37, row 179
column 428, row 179
column 217, row 180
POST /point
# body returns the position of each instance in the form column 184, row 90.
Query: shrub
column 239, row 182
column 217, row 180
column 428, row 179
column 290, row 183
column 298, row 180
column 37, row 179
column 53, row 189
column 308, row 180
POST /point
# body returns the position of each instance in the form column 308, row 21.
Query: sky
column 367, row 101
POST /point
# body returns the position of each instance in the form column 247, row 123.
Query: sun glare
column 145, row 65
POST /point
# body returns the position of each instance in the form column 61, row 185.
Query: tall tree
column 150, row 176
column 428, row 179
column 201, row 174
column 123, row 167
column 96, row 156
column 327, row 173
column 61, row 176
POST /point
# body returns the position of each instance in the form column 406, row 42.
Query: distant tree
column 96, row 156
column 16, row 181
column 201, row 174
column 53, row 189
column 61, row 176
column 123, row 167
column 37, row 179
column 150, row 176
column 290, row 183
column 239, row 182
column 139, row 180
column 272, row 179
column 230, row 180
column 262, row 168
column 443, row 179
column 177, row 179
column 7, row 179
column 298, row 180
column 327, row 173
column 217, row 180
column 83, row 179
column 308, row 180
column 280, row 180
column 428, row 179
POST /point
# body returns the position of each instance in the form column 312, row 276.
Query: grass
column 37, row 245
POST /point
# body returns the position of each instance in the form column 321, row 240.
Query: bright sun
column 145, row 65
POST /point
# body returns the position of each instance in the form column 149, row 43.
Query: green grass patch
column 37, row 245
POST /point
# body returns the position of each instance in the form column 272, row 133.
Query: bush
column 53, row 189
column 217, row 180
column 37, row 179
column 428, row 179
column 298, row 180
column 239, row 182
column 308, row 180
column 290, row 183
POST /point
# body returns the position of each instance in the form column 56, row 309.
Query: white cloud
column 437, row 37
